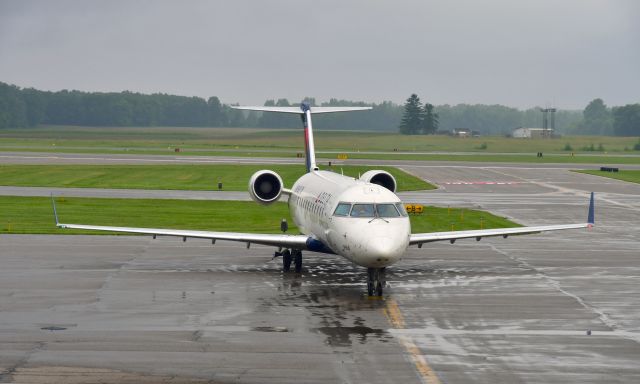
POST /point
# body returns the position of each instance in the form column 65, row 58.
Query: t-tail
column 305, row 110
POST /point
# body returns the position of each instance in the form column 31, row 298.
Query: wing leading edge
column 284, row 241
column 420, row 238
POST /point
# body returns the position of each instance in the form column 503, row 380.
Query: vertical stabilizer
column 591, row 218
column 309, row 146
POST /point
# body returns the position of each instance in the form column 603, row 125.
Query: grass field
column 288, row 142
column 181, row 177
column 35, row 215
column 325, row 157
column 631, row 176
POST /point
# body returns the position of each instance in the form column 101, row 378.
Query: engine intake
column 265, row 187
column 381, row 178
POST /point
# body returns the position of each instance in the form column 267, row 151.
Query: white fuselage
column 370, row 240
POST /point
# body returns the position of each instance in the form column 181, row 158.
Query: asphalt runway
column 133, row 309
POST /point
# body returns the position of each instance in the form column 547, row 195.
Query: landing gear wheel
column 382, row 278
column 286, row 260
column 375, row 281
column 297, row 260
column 378, row 288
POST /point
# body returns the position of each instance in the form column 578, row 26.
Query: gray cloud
column 509, row 52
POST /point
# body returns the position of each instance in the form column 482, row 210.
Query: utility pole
column 548, row 116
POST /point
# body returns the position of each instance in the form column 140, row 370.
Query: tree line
column 595, row 119
column 418, row 119
column 598, row 119
column 28, row 107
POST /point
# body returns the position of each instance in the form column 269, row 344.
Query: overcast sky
column 516, row 53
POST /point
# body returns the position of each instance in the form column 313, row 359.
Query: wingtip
column 55, row 212
column 591, row 218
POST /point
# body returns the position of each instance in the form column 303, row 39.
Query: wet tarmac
column 558, row 307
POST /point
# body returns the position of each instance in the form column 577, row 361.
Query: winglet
column 591, row 219
column 55, row 213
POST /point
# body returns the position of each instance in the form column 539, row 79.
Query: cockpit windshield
column 342, row 209
column 362, row 210
column 385, row 210
column 401, row 209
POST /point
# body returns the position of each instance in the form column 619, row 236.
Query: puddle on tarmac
column 270, row 329
column 53, row 328
column 345, row 336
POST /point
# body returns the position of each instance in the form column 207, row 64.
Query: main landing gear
column 288, row 256
column 375, row 281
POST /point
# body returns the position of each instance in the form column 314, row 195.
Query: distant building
column 531, row 133
column 461, row 132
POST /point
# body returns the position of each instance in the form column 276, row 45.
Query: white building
column 529, row 133
column 461, row 132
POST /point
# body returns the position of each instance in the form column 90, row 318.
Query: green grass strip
column 34, row 215
column 484, row 157
column 178, row 177
column 632, row 176
column 436, row 219
column 166, row 139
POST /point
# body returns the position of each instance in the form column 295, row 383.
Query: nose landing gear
column 375, row 281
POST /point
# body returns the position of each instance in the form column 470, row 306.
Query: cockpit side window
column 363, row 210
column 401, row 209
column 387, row 210
column 342, row 209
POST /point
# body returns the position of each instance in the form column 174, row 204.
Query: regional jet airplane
column 360, row 219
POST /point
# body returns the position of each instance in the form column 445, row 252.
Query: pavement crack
column 6, row 376
column 602, row 316
column 107, row 282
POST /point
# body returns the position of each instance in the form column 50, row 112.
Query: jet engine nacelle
column 265, row 187
column 380, row 177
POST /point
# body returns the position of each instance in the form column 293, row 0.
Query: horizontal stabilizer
column 299, row 110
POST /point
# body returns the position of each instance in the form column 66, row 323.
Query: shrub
column 568, row 147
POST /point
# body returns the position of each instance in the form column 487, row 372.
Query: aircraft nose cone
column 381, row 247
column 382, row 251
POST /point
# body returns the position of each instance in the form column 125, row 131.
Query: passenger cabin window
column 387, row 210
column 363, row 210
column 342, row 209
column 401, row 209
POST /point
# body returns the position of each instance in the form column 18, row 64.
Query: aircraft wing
column 277, row 240
column 419, row 238
column 284, row 241
column 452, row 236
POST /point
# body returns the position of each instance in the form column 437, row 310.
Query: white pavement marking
column 483, row 182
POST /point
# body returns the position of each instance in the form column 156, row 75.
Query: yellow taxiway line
column 393, row 314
